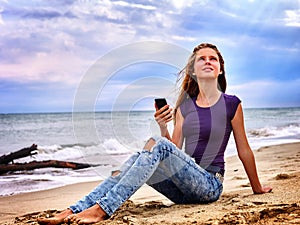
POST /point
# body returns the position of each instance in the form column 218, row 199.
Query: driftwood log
column 41, row 164
column 7, row 162
column 24, row 152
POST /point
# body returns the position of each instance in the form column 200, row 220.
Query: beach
column 278, row 166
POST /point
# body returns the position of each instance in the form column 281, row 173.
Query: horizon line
column 136, row 110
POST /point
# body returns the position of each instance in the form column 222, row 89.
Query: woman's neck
column 208, row 94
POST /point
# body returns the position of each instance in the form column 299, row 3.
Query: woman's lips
column 208, row 69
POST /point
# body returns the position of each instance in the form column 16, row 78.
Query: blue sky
column 47, row 48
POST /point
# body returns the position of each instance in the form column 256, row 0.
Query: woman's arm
column 245, row 153
column 162, row 117
column 177, row 137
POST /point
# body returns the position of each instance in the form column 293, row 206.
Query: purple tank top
column 206, row 131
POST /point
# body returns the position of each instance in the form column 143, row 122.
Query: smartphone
column 160, row 102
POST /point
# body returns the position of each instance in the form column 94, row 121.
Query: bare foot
column 93, row 214
column 57, row 219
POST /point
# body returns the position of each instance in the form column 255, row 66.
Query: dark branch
column 24, row 152
column 42, row 164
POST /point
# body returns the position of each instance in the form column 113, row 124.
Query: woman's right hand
column 163, row 116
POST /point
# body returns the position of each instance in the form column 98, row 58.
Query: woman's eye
column 210, row 58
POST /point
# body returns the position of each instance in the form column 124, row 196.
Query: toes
column 83, row 221
column 69, row 219
column 72, row 218
column 78, row 221
column 66, row 220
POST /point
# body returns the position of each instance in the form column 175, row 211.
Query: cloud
column 1, row 20
column 292, row 18
column 134, row 5
column 56, row 42
column 46, row 67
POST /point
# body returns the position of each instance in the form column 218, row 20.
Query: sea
column 106, row 139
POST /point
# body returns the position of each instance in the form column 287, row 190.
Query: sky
column 49, row 49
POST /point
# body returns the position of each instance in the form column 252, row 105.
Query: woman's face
column 207, row 64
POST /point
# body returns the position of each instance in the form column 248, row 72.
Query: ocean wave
column 112, row 146
column 77, row 152
column 262, row 132
column 287, row 131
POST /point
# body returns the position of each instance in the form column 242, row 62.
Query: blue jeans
column 165, row 168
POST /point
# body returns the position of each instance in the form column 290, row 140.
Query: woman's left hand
column 163, row 116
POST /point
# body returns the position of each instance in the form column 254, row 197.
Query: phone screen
column 160, row 102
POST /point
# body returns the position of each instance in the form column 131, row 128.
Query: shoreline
column 46, row 186
column 278, row 166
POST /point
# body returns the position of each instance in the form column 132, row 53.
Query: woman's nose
column 207, row 61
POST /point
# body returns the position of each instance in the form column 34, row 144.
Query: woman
column 204, row 118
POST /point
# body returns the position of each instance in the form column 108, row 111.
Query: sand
column 278, row 166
